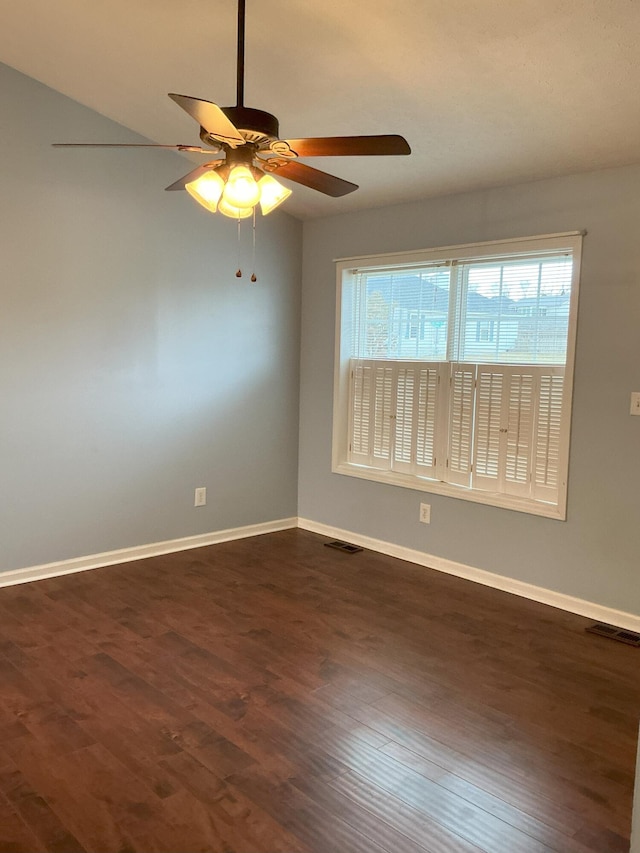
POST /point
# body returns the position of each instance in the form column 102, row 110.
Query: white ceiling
column 487, row 93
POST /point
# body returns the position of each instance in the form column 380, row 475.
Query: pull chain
column 238, row 271
column 253, row 259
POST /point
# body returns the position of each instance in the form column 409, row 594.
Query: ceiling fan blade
column 346, row 146
column 211, row 117
column 314, row 178
column 192, row 149
column 193, row 174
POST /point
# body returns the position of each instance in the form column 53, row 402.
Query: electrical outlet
column 635, row 403
column 425, row 513
column 200, row 496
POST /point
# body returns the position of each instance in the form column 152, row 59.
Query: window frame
column 346, row 272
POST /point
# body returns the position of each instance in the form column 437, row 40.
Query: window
column 454, row 370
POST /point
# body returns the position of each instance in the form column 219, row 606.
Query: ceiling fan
column 250, row 153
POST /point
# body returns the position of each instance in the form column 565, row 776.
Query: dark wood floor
column 272, row 694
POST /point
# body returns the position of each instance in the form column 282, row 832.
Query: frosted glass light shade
column 206, row 190
column 233, row 212
column 241, row 189
column 272, row 193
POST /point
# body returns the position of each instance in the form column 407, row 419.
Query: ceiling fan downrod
column 240, row 55
column 257, row 126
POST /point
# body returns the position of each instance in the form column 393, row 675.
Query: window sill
column 393, row 478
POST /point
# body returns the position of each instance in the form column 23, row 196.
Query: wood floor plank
column 490, row 771
column 453, row 812
column 532, row 811
column 37, row 813
column 430, row 833
column 384, row 819
column 80, row 791
column 241, row 823
column 508, row 744
column 15, row 836
column 320, row 829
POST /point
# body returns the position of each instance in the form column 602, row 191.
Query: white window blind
column 458, row 370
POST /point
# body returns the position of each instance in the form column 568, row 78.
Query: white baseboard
column 589, row 609
column 536, row 593
column 140, row 552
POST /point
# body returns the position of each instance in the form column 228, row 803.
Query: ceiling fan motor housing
column 256, row 126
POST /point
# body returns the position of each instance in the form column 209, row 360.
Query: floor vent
column 344, row 546
column 628, row 637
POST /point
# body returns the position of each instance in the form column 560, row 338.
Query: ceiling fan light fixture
column 206, row 190
column 241, row 189
column 233, row 212
column 272, row 193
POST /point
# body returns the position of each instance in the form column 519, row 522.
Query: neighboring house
column 515, row 329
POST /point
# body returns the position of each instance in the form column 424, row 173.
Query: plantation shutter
column 461, row 405
column 416, row 418
column 382, row 411
column 360, row 412
column 504, row 419
column 405, row 420
column 517, row 430
column 519, row 435
column 546, row 469
column 428, row 433
column 489, row 449
column 371, row 412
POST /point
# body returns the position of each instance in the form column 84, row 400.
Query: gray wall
column 134, row 366
column 594, row 555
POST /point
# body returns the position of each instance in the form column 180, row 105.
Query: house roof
column 487, row 94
